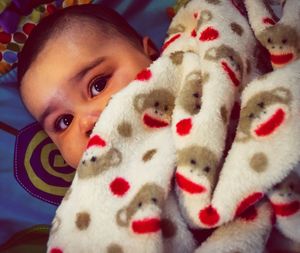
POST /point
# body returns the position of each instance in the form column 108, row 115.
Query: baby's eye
column 63, row 122
column 98, row 85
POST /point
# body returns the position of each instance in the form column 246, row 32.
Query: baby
column 129, row 200
column 71, row 65
column 67, row 74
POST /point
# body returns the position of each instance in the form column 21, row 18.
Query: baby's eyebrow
column 87, row 68
column 50, row 108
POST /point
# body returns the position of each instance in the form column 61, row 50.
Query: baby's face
column 69, row 84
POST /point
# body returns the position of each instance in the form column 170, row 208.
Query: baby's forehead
column 81, row 27
column 75, row 40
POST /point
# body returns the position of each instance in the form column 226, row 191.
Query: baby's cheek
column 72, row 149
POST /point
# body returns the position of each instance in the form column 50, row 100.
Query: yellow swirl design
column 46, row 150
column 35, row 180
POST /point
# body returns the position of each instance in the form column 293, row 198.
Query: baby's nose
column 87, row 124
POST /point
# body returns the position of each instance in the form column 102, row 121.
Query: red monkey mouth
column 270, row 125
column 286, row 209
column 231, row 74
column 281, row 58
column 148, row 225
column 187, row 185
column 152, row 122
column 247, row 202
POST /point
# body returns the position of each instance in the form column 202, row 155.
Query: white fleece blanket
column 172, row 122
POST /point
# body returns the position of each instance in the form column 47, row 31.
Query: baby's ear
column 149, row 48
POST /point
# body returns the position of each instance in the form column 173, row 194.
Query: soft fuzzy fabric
column 173, row 121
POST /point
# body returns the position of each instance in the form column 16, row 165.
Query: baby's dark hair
column 106, row 20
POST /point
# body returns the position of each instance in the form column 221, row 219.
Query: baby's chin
column 73, row 153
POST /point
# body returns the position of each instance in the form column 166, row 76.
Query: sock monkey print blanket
column 155, row 166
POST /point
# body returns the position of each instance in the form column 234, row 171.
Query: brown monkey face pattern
column 230, row 61
column 177, row 57
column 97, row 165
column 264, row 113
column 155, row 108
column 285, row 197
column 114, row 248
column 288, row 189
column 142, row 215
column 282, row 43
column 195, row 164
column 191, row 93
column 176, row 29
